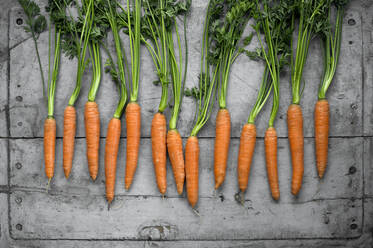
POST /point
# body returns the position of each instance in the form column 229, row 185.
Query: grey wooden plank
column 3, row 97
column 27, row 114
column 143, row 218
column 368, row 166
column 3, row 162
column 4, row 234
column 342, row 180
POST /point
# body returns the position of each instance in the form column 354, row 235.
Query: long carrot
column 158, row 135
column 245, row 154
column 270, row 142
column 175, row 152
column 92, row 130
column 191, row 169
column 296, row 140
column 222, row 140
column 69, row 129
column 49, row 146
column 111, row 154
column 332, row 46
column 133, row 120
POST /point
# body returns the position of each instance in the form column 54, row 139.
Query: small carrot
column 111, row 154
column 321, row 135
column 133, row 121
column 69, row 129
column 92, row 130
column 222, row 140
column 295, row 133
column 175, row 152
column 158, row 135
column 49, row 146
column 191, row 169
column 245, row 154
column 270, row 142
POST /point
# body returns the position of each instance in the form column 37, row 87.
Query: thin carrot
column 321, row 135
column 92, row 130
column 270, row 142
column 69, row 129
column 191, row 169
column 158, row 135
column 222, row 140
column 175, row 153
column 49, row 146
column 295, row 133
column 133, row 121
column 245, row 154
column 111, row 154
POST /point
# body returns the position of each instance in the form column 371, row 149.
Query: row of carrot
column 153, row 23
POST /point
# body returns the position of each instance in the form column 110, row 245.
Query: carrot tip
column 49, row 182
column 196, row 212
column 94, row 178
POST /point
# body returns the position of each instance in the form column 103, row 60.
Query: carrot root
column 111, row 154
column 133, row 121
column 270, row 142
column 295, row 133
column 191, row 169
column 69, row 129
column 92, row 130
column 245, row 155
column 222, row 140
column 49, row 146
column 159, row 150
column 175, row 152
column 321, row 135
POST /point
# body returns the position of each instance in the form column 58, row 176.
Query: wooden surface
column 334, row 212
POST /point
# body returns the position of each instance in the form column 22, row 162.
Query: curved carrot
column 295, row 133
column 92, row 131
column 175, row 152
column 321, row 135
column 158, row 135
column 49, row 146
column 222, row 140
column 111, row 154
column 69, row 129
column 270, row 141
column 191, row 169
column 133, row 121
column 245, row 154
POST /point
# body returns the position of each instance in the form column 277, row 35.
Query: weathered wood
column 3, row 162
column 3, row 97
column 343, row 178
column 368, row 166
column 3, row 219
column 143, row 218
column 345, row 95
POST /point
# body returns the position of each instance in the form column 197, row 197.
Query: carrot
column 175, row 152
column 245, row 154
column 69, row 128
column 158, row 135
column 191, row 169
column 270, row 142
column 321, row 135
column 222, row 140
column 133, row 121
column 49, row 146
column 295, row 132
column 111, row 154
column 92, row 130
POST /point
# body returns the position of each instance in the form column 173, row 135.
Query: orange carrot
column 69, row 128
column 245, row 154
column 270, row 142
column 133, row 121
column 222, row 140
column 295, row 133
column 191, row 169
column 111, row 153
column 321, row 135
column 92, row 131
column 49, row 146
column 175, row 152
column 158, row 135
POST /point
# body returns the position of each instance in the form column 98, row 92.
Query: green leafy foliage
column 35, row 22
